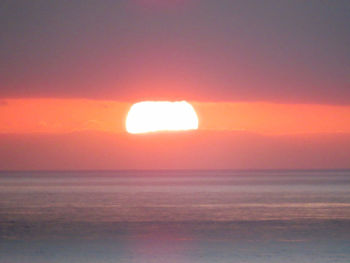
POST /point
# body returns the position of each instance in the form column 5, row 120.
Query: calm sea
column 175, row 216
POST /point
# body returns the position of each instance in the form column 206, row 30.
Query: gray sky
column 272, row 50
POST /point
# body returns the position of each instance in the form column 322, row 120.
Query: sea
column 178, row 216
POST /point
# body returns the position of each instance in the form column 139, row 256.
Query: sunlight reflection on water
column 208, row 216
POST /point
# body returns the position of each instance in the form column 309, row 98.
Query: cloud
column 186, row 150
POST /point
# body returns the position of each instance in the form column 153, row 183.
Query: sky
column 270, row 81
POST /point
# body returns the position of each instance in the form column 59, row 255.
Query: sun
column 153, row 116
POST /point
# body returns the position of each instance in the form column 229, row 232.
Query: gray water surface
column 175, row 216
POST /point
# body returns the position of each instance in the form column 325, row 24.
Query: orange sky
column 68, row 115
column 270, row 83
column 90, row 134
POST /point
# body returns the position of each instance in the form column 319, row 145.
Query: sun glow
column 152, row 116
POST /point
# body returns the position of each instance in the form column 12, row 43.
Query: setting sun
column 152, row 116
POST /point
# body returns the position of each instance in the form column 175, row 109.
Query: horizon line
column 184, row 170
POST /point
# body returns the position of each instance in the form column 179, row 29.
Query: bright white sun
column 152, row 116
